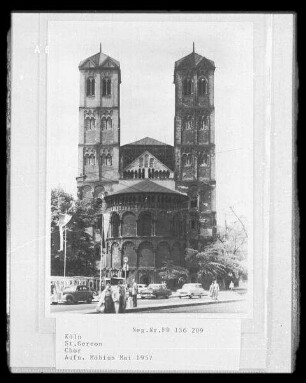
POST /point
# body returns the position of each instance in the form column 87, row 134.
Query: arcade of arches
column 146, row 225
column 146, row 255
column 148, row 228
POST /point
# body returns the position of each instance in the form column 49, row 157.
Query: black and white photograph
column 150, row 167
column 151, row 212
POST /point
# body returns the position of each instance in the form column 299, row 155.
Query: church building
column 158, row 199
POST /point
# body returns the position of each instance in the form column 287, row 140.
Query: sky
column 147, row 52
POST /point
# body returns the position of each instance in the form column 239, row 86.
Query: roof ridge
column 197, row 59
column 96, row 59
column 147, row 141
column 138, row 187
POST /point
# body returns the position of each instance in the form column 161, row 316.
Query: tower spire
column 100, row 47
column 193, row 47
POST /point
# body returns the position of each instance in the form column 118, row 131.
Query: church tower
column 99, row 125
column 194, row 144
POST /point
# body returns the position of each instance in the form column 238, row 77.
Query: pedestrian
column 211, row 288
column 231, row 286
column 108, row 300
column 215, row 290
column 116, row 297
column 134, row 293
column 122, row 298
column 101, row 304
column 54, row 294
column 52, row 291
column 129, row 297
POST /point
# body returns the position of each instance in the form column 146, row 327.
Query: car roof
column 71, row 288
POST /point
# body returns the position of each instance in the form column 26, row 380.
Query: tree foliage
column 171, row 271
column 81, row 250
column 61, row 202
column 225, row 258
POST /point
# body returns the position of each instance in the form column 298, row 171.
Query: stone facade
column 194, row 137
column 99, row 124
column 147, row 227
column 186, row 170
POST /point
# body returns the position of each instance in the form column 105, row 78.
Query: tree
column 82, row 254
column 61, row 202
column 169, row 272
column 224, row 259
column 81, row 250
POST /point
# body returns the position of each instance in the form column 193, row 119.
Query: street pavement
column 173, row 304
column 225, row 307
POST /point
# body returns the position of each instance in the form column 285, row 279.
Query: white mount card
column 147, row 230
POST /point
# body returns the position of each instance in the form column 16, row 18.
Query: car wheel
column 190, row 296
column 180, row 297
column 69, row 300
column 89, row 300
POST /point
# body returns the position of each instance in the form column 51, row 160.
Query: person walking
column 216, row 289
column 134, row 293
column 55, row 294
column 108, row 300
column 116, row 297
column 211, row 289
column 231, row 286
column 122, row 297
column 129, row 297
column 101, row 304
column 102, row 286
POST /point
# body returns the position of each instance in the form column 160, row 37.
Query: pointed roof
column 147, row 141
column 146, row 186
column 192, row 60
column 100, row 60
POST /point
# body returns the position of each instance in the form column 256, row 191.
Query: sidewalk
column 174, row 301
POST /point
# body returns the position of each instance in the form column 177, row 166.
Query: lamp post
column 65, row 250
column 101, row 239
column 101, row 252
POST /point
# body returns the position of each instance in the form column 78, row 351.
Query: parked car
column 191, row 290
column 141, row 287
column 155, row 291
column 75, row 294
